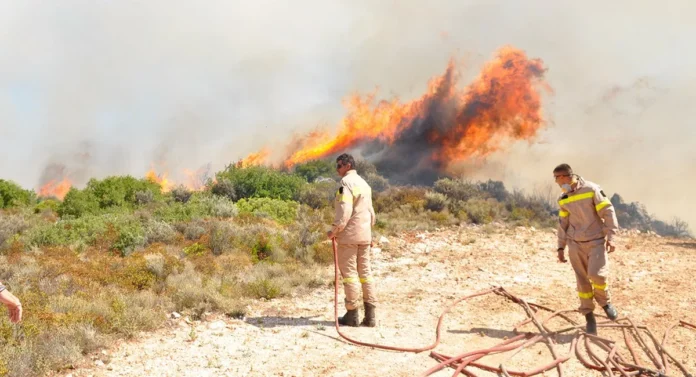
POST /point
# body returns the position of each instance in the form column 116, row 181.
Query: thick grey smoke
column 182, row 84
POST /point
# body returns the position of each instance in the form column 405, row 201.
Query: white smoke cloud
column 209, row 82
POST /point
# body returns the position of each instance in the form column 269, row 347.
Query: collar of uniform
column 351, row 171
column 581, row 184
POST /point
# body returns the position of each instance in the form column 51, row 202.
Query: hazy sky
column 109, row 87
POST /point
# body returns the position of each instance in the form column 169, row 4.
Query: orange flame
column 196, row 180
column 258, row 158
column 161, row 180
column 500, row 104
column 55, row 188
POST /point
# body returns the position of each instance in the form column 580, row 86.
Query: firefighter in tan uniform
column 587, row 225
column 352, row 229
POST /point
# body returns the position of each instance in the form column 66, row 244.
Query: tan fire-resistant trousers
column 354, row 264
column 591, row 265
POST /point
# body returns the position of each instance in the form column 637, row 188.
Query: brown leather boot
column 369, row 320
column 351, row 318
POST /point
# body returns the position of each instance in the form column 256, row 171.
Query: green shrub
column 219, row 206
column 494, row 189
column 11, row 225
column 221, row 237
column 317, row 195
column 116, row 191
column 458, row 189
column 77, row 203
column 13, row 195
column 481, row 211
column 376, row 182
column 314, row 169
column 47, row 205
column 435, row 201
column 159, row 231
column 261, row 181
column 193, row 231
column 365, row 168
column 224, row 188
column 397, row 197
column 194, row 249
column 282, row 211
column 181, row 194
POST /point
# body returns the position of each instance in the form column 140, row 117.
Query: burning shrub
column 181, row 194
column 263, row 182
column 435, row 201
column 314, row 169
column 224, row 188
column 282, row 211
column 12, row 195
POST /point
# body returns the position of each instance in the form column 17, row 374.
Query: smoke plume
column 173, row 85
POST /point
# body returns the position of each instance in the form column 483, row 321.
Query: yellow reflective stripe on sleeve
column 366, row 280
column 602, row 204
column 586, row 295
column 346, row 198
column 575, row 198
column 601, row 287
column 563, row 213
column 350, row 280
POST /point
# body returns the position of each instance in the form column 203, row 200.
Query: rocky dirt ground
column 418, row 275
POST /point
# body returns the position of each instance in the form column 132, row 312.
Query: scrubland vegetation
column 119, row 255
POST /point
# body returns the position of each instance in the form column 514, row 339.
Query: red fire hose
column 614, row 361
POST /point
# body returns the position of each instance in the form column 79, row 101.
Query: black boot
column 369, row 320
column 351, row 318
column 591, row 324
column 611, row 311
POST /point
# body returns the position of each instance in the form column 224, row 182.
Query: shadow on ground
column 271, row 321
column 685, row 245
column 507, row 334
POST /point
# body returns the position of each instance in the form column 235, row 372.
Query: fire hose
column 612, row 362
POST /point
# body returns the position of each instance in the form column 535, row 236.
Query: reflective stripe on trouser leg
column 365, row 273
column 598, row 270
column 579, row 260
column 351, row 283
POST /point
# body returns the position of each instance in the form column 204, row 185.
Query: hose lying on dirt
column 605, row 355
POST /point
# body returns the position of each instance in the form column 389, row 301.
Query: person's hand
column 610, row 247
column 561, row 256
column 330, row 235
column 15, row 312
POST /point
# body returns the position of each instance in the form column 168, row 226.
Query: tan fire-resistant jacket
column 582, row 212
column 354, row 214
